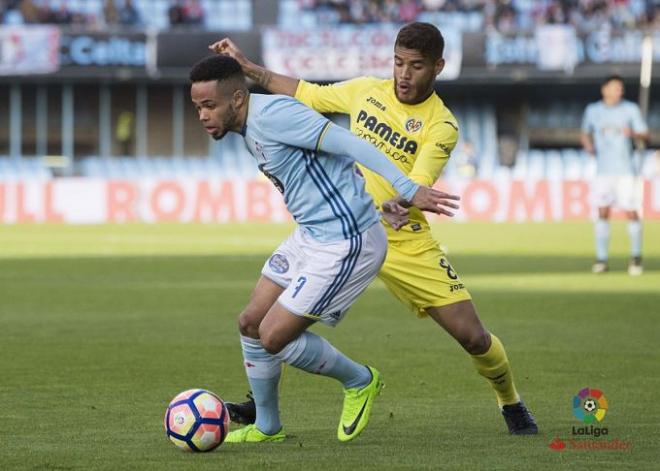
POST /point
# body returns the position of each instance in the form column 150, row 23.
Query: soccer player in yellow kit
column 407, row 121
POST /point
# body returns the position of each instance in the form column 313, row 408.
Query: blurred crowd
column 112, row 13
column 503, row 15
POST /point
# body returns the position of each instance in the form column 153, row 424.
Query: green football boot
column 251, row 434
column 357, row 407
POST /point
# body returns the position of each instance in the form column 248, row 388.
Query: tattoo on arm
column 262, row 77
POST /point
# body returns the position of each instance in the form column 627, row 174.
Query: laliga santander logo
column 413, row 125
column 590, row 405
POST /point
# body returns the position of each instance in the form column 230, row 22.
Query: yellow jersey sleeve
column 334, row 98
column 439, row 142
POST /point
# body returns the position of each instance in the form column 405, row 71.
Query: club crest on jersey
column 278, row 263
column 414, row 125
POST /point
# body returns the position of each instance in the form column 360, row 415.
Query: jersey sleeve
column 289, row 122
column 334, row 98
column 340, row 141
column 637, row 122
column 434, row 153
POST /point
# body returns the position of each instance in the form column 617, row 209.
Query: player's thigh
column 603, row 193
column 367, row 264
column 327, row 282
column 629, row 193
column 420, row 275
column 280, row 326
column 262, row 299
column 275, row 277
column 333, row 275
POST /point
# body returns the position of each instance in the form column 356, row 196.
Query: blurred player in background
column 331, row 257
column 405, row 119
column 609, row 128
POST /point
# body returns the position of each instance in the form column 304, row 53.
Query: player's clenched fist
column 434, row 201
column 227, row 47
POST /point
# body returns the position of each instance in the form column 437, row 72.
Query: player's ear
column 439, row 65
column 239, row 97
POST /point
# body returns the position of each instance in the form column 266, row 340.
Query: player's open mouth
column 403, row 87
column 211, row 130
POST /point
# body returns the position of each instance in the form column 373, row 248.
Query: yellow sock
column 494, row 366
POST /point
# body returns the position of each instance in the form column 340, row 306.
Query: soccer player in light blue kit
column 334, row 253
column 609, row 128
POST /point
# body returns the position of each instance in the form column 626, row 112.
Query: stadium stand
column 547, row 129
column 228, row 15
column 473, row 15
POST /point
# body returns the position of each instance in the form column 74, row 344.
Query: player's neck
column 426, row 96
column 420, row 101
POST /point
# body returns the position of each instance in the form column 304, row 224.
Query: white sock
column 314, row 354
column 635, row 233
column 263, row 371
column 602, row 232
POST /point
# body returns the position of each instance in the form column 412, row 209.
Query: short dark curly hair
column 612, row 78
column 218, row 68
column 422, row 37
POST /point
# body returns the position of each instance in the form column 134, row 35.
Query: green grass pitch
column 101, row 326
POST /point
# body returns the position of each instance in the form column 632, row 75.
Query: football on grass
column 196, row 420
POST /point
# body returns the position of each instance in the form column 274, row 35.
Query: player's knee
column 248, row 325
column 271, row 342
column 477, row 342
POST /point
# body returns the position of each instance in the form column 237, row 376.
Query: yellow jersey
column 417, row 138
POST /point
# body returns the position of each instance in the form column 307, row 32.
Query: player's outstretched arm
column 274, row 83
column 336, row 140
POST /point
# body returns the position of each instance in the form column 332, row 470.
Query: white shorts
column 322, row 280
column 623, row 192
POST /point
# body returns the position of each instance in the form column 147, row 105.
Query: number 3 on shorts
column 301, row 282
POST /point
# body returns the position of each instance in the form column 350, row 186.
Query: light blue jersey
column 323, row 192
column 607, row 124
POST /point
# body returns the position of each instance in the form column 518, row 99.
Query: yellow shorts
column 418, row 273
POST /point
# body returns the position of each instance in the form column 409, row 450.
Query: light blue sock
column 602, row 232
column 263, row 371
column 635, row 233
column 314, row 354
